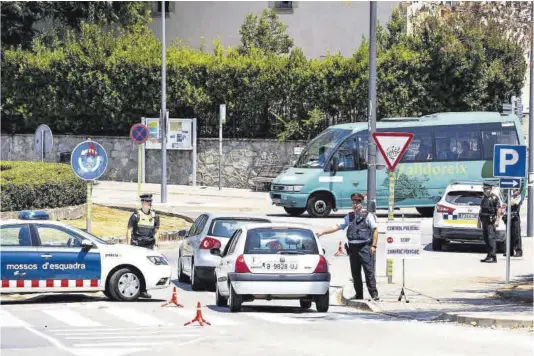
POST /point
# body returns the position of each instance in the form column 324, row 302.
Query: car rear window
column 464, row 197
column 280, row 241
column 226, row 227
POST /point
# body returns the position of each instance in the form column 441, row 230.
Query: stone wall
column 241, row 158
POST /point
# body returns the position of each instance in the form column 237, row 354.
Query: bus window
column 421, row 147
column 460, row 143
column 504, row 135
column 320, row 148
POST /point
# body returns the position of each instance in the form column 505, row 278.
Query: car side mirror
column 87, row 244
column 182, row 233
column 324, row 251
column 216, row 252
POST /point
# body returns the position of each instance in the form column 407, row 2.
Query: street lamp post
column 163, row 110
column 530, row 202
column 371, row 171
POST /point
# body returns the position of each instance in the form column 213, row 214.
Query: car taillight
column 322, row 266
column 444, row 209
column 241, row 265
column 208, row 243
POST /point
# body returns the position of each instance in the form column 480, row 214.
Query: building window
column 284, row 6
column 156, row 7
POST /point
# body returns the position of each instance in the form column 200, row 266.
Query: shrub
column 39, row 185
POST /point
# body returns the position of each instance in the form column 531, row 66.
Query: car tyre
column 220, row 301
column 235, row 300
column 437, row 244
column 305, row 304
column 295, row 211
column 196, row 283
column 116, row 285
column 181, row 275
column 319, row 205
column 322, row 302
column 107, row 294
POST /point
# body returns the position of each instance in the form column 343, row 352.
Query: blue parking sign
column 509, row 161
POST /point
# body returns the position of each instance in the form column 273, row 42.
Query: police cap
column 146, row 197
column 357, row 197
column 488, row 185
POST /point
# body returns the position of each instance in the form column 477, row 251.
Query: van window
column 281, row 241
column 458, row 143
column 320, row 148
column 501, row 135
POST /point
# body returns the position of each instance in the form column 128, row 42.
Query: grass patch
column 107, row 222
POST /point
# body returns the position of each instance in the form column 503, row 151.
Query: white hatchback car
column 456, row 216
column 272, row 261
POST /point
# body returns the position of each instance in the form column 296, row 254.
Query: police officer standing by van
column 362, row 236
column 488, row 219
column 516, row 249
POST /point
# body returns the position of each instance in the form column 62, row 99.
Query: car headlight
column 297, row 188
column 158, row 260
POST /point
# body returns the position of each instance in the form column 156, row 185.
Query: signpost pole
column 530, row 193
column 371, row 171
column 391, row 217
column 222, row 118
column 143, row 156
column 163, row 109
column 139, row 167
column 508, row 228
column 88, row 206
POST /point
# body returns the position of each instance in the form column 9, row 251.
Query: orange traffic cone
column 199, row 318
column 173, row 300
column 340, row 251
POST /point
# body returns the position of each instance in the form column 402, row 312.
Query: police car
column 40, row 256
column 456, row 215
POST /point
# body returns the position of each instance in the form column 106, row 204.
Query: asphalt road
column 60, row 325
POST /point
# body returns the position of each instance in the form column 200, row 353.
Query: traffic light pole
column 530, row 201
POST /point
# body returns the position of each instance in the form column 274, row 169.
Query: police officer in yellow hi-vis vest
column 143, row 225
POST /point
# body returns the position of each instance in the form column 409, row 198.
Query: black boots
column 489, row 259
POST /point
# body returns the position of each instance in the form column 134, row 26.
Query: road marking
column 71, row 318
column 9, row 321
column 98, row 337
column 116, row 332
column 276, row 318
column 126, row 344
column 189, row 314
column 135, row 317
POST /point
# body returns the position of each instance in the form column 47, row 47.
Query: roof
column 278, row 225
column 37, row 221
column 218, row 215
column 449, row 118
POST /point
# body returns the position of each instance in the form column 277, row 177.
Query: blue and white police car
column 38, row 255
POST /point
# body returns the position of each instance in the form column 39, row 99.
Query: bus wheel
column 319, row 205
column 426, row 212
column 295, row 211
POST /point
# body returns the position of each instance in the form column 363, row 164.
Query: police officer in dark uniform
column 516, row 249
column 362, row 236
column 488, row 219
column 143, row 228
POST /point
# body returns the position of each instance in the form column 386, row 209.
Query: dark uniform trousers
column 490, row 236
column 360, row 256
column 515, row 235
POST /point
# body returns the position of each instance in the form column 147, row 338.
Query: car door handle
column 46, row 256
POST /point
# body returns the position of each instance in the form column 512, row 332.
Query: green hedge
column 98, row 83
column 39, row 185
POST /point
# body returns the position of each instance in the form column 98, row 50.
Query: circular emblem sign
column 390, row 240
column 89, row 160
column 139, row 133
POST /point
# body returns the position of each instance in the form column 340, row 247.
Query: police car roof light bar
column 474, row 181
column 34, row 215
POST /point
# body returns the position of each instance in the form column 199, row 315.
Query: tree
column 266, row 32
column 20, row 17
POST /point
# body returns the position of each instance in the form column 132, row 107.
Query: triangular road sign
column 392, row 146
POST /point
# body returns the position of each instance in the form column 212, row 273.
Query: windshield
column 89, row 236
column 316, row 152
column 226, row 227
column 281, row 241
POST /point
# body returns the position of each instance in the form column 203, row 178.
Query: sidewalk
column 473, row 304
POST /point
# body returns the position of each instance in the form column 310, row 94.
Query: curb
column 363, row 305
column 503, row 322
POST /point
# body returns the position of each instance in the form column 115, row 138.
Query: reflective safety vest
column 145, row 226
column 358, row 230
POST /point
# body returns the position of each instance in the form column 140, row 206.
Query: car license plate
column 280, row 266
column 468, row 216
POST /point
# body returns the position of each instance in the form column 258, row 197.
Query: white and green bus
column 445, row 147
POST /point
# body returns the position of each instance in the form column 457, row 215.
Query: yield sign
column 392, row 145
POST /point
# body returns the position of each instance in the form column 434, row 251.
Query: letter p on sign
column 509, row 161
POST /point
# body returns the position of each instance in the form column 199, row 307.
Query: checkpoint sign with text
column 139, row 133
column 403, row 240
column 509, row 161
column 392, row 146
column 89, row 160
